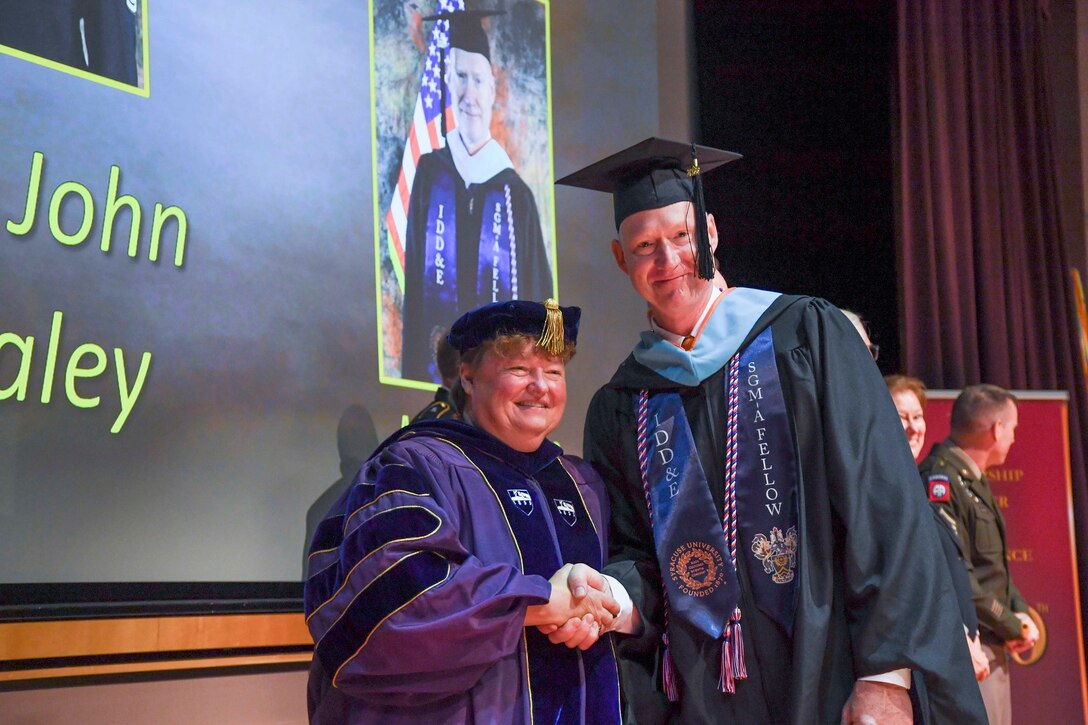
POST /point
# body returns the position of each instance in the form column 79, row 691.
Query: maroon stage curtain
column 985, row 294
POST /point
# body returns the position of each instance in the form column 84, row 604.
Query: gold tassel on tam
column 552, row 338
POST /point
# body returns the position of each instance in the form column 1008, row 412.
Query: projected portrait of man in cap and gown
column 473, row 233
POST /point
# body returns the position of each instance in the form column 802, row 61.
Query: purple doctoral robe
column 420, row 575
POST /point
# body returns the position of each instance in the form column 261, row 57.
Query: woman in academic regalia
column 429, row 578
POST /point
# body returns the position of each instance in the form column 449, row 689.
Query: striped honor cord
column 733, row 660
column 513, row 244
column 668, row 668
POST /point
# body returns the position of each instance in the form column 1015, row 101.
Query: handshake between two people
column 580, row 610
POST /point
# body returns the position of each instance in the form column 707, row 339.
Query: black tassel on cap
column 704, row 256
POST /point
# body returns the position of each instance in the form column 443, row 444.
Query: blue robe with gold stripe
column 420, row 575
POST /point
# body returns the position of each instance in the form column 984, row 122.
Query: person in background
column 863, row 329
column 429, row 577
column 983, row 428
column 909, row 396
column 762, row 524
column 442, row 406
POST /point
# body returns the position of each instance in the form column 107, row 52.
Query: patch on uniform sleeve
column 940, row 490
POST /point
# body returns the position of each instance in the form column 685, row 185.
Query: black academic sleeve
column 893, row 572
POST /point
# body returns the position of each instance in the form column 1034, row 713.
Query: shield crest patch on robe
column 521, row 498
column 565, row 509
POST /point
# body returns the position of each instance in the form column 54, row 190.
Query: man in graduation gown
column 765, row 513
column 424, row 575
column 473, row 234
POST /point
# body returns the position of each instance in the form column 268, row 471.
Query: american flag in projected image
column 424, row 136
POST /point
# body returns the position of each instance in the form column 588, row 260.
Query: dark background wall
column 802, row 90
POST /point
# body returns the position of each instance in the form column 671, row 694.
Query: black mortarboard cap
column 466, row 32
column 653, row 174
column 554, row 327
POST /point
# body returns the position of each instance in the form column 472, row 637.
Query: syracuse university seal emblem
column 778, row 553
column 696, row 568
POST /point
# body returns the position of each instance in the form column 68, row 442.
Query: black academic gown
column 869, row 599
column 959, row 567
column 516, row 208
